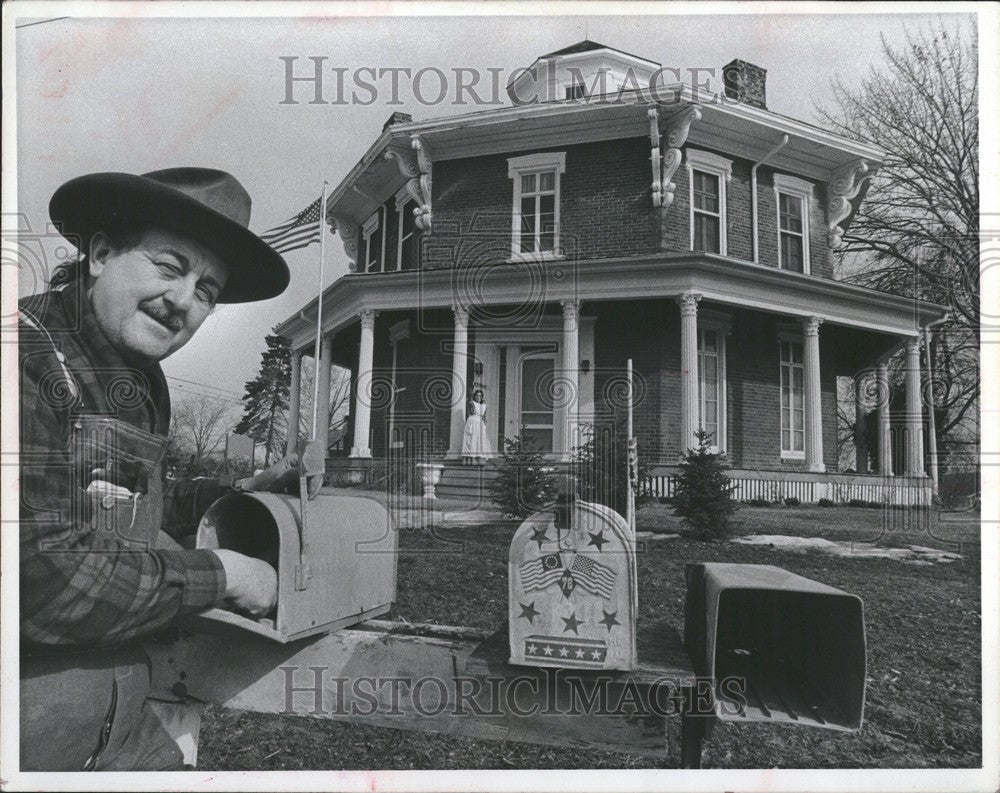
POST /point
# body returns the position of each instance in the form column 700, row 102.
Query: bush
column 702, row 493
column 601, row 468
column 792, row 501
column 525, row 480
column 825, row 502
column 758, row 502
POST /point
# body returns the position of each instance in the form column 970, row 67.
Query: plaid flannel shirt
column 81, row 593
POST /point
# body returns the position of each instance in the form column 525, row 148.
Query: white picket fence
column 898, row 491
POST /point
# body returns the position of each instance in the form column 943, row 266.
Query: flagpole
column 319, row 312
column 630, row 457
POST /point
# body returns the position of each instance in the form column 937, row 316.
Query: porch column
column 459, row 362
column 860, row 445
column 294, row 398
column 571, row 372
column 689, row 370
column 323, row 378
column 362, row 393
column 884, row 427
column 914, row 413
column 932, row 456
column 813, row 395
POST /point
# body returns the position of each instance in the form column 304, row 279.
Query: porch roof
column 716, row 278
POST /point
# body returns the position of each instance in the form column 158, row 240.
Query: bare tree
column 917, row 231
column 200, row 422
column 340, row 395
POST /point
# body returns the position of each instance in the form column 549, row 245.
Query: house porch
column 553, row 367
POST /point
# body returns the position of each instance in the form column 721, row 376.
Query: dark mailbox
column 779, row 647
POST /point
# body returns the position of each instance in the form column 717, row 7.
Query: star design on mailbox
column 571, row 623
column 609, row 619
column 539, row 536
column 529, row 612
column 597, row 538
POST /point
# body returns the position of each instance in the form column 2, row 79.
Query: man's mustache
column 161, row 313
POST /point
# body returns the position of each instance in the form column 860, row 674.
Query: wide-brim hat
column 206, row 205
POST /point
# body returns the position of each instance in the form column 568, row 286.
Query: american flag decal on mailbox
column 593, row 576
column 542, row 572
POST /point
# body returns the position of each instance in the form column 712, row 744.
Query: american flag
column 296, row 232
column 542, row 572
column 594, row 576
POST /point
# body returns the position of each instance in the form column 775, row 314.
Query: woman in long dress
column 475, row 442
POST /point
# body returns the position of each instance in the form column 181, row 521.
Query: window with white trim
column 408, row 235
column 373, row 242
column 707, row 177
column 535, row 224
column 793, row 197
column 793, row 412
column 712, row 385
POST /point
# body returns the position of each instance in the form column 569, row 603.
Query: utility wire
column 203, row 385
column 209, row 395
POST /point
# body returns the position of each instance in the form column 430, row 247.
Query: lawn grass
column 923, row 628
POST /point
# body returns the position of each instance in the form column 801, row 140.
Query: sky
column 138, row 94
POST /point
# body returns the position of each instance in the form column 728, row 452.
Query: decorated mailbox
column 572, row 589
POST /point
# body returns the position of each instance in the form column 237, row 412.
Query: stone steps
column 466, row 481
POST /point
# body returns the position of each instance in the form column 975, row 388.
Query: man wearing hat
column 157, row 253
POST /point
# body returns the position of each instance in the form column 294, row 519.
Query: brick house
column 606, row 214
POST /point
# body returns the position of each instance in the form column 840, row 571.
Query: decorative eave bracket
column 844, row 186
column 348, row 231
column 673, row 135
column 416, row 169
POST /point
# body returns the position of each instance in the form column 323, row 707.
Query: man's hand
column 251, row 584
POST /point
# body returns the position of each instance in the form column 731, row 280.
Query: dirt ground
column 922, row 621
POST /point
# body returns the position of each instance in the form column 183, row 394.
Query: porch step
column 466, row 481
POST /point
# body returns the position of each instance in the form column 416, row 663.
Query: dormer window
column 793, row 198
column 707, row 176
column 535, row 225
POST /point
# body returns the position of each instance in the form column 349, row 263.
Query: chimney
column 397, row 118
column 745, row 82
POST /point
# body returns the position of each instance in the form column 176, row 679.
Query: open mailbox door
column 778, row 647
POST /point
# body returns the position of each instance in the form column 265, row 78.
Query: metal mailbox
column 779, row 647
column 335, row 557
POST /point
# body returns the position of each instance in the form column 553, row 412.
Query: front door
column 537, row 409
